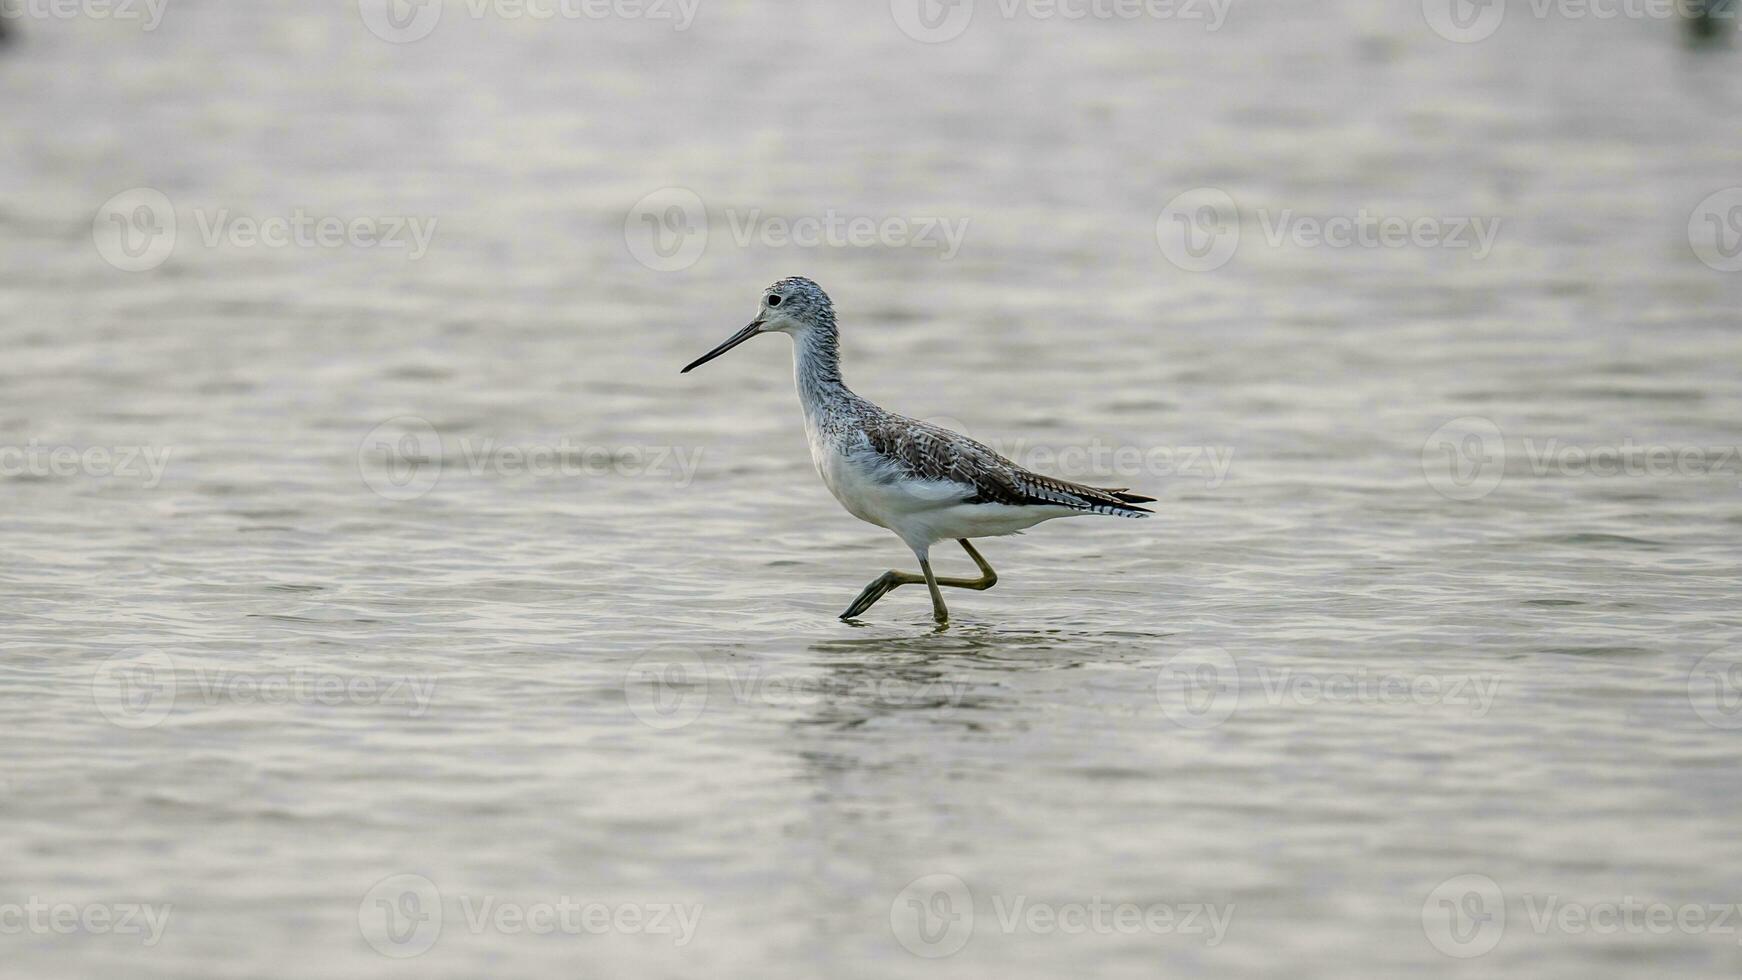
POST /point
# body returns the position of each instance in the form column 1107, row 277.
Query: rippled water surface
column 353, row 705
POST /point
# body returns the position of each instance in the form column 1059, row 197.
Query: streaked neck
column 816, row 367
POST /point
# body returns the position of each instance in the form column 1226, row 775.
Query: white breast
column 847, row 476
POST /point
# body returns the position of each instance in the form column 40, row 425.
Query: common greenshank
column 924, row 482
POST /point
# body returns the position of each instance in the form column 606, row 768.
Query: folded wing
column 922, row 451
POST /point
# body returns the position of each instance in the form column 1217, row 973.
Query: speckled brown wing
column 924, row 451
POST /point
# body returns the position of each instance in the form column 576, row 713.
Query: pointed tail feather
column 1124, row 505
column 1094, row 500
column 1126, row 495
column 1028, row 487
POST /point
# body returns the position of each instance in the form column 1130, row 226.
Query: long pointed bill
column 738, row 338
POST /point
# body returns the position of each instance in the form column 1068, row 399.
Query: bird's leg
column 886, row 583
column 938, row 611
column 987, row 579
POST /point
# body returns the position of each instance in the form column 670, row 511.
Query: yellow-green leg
column 886, row 583
column 939, row 611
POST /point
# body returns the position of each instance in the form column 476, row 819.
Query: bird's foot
column 880, row 586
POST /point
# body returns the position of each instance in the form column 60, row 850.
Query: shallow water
column 585, row 651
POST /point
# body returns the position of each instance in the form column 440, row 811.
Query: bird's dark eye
column 774, row 301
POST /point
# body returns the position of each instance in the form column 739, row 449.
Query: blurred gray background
column 379, row 601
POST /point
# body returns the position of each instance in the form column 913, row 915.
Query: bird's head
column 794, row 306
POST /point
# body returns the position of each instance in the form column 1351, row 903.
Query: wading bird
column 919, row 480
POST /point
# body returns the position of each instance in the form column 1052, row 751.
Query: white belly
column 920, row 511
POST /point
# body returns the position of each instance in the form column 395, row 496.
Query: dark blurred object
column 1707, row 19
column 5, row 27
